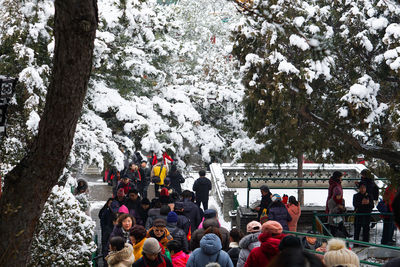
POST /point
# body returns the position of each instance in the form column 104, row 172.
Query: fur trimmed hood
column 121, row 258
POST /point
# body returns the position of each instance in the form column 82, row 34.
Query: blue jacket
column 278, row 212
column 210, row 250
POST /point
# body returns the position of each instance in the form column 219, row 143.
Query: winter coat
column 265, row 204
column 233, row 252
column 372, row 188
column 119, row 231
column 179, row 235
column 179, row 259
column 121, row 258
column 155, row 171
column 142, row 214
column 116, row 204
column 199, row 233
column 183, row 223
column 362, row 208
column 295, row 213
column 307, row 245
column 176, row 180
column 332, row 184
column 334, row 209
column 138, row 248
column 161, row 261
column 209, row 251
column 107, row 226
column 164, row 239
column 126, row 187
column 152, row 215
column 201, row 224
column 202, row 187
column 247, row 244
column 278, row 212
column 192, row 212
column 269, row 248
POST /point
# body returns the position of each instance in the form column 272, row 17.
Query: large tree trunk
column 300, row 192
column 29, row 184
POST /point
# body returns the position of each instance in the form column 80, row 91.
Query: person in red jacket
column 178, row 257
column 270, row 238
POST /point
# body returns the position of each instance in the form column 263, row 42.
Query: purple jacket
column 278, row 212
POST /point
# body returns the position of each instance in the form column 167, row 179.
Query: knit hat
column 172, row 217
column 272, row 227
column 151, row 246
column 253, row 227
column 338, row 254
column 337, row 191
column 264, row 188
column 290, row 241
column 120, row 192
column 123, row 209
column 276, row 197
column 164, row 192
column 159, row 223
column 210, row 213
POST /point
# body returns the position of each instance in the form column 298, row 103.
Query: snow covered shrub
column 64, row 236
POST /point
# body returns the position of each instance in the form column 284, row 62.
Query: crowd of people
column 177, row 228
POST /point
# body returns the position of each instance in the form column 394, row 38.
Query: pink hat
column 272, row 227
column 123, row 209
column 253, row 227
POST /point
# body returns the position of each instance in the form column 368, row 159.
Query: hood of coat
column 210, row 244
column 125, row 254
column 270, row 244
column 250, row 240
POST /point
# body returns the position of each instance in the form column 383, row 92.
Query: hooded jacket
column 192, row 212
column 247, row 244
column 210, row 251
column 121, row 258
column 138, row 248
column 295, row 213
column 199, row 233
column 269, row 248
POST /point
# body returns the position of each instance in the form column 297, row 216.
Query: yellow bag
column 264, row 216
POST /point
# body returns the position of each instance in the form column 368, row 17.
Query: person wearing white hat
column 338, row 255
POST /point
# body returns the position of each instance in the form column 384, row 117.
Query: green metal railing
column 348, row 241
column 249, row 187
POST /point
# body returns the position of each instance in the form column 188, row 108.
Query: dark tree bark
column 29, row 184
column 300, row 192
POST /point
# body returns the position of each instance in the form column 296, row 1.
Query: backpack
column 156, row 179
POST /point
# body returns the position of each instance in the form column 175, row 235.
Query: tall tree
column 29, row 184
column 331, row 64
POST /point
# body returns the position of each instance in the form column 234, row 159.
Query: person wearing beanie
column 123, row 209
column 265, row 201
column 278, row 212
column 334, row 181
column 270, row 239
column 294, row 210
column 337, row 254
column 210, row 250
column 164, row 196
column 177, row 233
column 337, row 206
column 160, row 232
column 178, row 257
column 121, row 253
column 249, row 242
column 290, row 242
column 137, row 235
column 310, row 242
column 152, row 255
column 202, row 187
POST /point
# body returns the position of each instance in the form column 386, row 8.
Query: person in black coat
column 368, row 179
column 177, row 233
column 143, row 185
column 183, row 222
column 202, row 187
column 265, row 200
column 106, row 224
column 235, row 235
column 191, row 210
column 176, row 179
column 363, row 203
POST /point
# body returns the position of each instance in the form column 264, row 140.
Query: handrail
column 305, row 178
column 354, row 214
